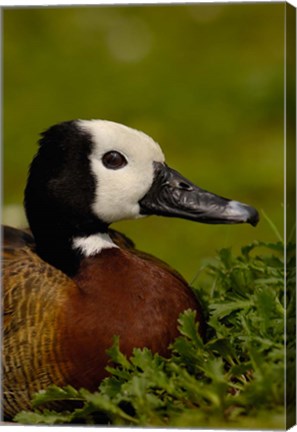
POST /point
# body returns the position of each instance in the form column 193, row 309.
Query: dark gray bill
column 173, row 195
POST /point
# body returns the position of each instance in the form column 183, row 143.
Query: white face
column 119, row 190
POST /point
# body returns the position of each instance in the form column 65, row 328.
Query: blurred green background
column 204, row 80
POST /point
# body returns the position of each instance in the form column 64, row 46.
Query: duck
column 71, row 283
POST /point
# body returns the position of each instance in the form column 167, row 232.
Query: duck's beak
column 173, row 195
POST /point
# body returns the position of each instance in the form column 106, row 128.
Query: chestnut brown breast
column 120, row 294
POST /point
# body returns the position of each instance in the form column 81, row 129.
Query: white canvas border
column 60, row 3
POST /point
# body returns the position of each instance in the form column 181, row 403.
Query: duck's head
column 89, row 174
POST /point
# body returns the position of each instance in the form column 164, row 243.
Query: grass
column 233, row 379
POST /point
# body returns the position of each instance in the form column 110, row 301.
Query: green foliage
column 234, row 378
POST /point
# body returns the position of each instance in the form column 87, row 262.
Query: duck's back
column 33, row 292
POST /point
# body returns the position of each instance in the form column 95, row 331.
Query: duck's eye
column 114, row 160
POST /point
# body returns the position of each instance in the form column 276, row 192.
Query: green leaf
column 104, row 404
column 188, row 326
column 224, row 348
column 225, row 257
column 54, row 393
column 111, row 386
column 116, row 355
column 240, row 369
column 214, row 369
column 44, row 417
column 144, row 359
column 221, row 310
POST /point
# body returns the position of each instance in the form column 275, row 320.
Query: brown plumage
column 70, row 282
column 56, row 330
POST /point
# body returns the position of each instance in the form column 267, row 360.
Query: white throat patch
column 93, row 244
